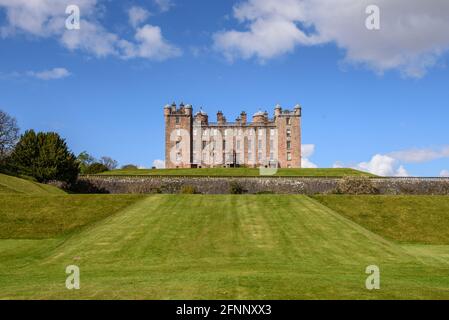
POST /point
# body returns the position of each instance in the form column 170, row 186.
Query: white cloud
column 412, row 36
column 381, row 165
column 149, row 44
column 56, row 73
column 159, row 164
column 46, row 18
column 421, row 155
column 307, row 150
column 164, row 5
column 137, row 15
column 444, row 173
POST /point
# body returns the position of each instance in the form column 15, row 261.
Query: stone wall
column 252, row 185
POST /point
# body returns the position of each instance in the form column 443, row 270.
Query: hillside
column 9, row 184
column 222, row 247
column 244, row 172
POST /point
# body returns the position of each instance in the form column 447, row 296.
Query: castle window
column 289, row 133
column 177, row 145
column 289, row 121
column 289, row 145
column 224, row 144
column 177, row 120
column 204, row 144
column 289, row 156
column 271, row 144
column 238, row 144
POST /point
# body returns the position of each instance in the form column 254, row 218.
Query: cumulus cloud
column 149, row 44
column 159, row 164
column 412, row 36
column 46, row 18
column 444, row 173
column 307, row 150
column 56, row 73
column 382, row 165
column 137, row 15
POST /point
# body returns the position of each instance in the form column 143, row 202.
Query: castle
column 191, row 141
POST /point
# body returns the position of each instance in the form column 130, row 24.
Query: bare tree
column 110, row 163
column 9, row 134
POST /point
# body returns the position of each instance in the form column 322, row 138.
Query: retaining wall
column 273, row 184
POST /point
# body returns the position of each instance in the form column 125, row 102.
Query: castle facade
column 191, row 141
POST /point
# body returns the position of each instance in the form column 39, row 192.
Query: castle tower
column 178, row 141
column 288, row 124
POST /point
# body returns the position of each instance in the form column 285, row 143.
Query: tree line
column 45, row 156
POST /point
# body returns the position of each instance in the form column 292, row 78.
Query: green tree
column 85, row 160
column 44, row 156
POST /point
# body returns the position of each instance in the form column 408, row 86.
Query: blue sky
column 376, row 100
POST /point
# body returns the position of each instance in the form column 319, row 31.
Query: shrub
column 235, row 188
column 95, row 168
column 188, row 190
column 130, row 167
column 356, row 185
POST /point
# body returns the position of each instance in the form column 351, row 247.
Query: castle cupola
column 259, row 117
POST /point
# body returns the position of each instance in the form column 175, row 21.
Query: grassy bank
column 40, row 217
column 408, row 219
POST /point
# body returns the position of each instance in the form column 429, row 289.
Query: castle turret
column 202, row 117
column 277, row 110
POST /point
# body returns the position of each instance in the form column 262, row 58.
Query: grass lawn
column 245, row 172
column 9, row 184
column 221, row 247
column 407, row 219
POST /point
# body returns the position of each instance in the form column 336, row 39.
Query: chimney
column 220, row 118
column 243, row 117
